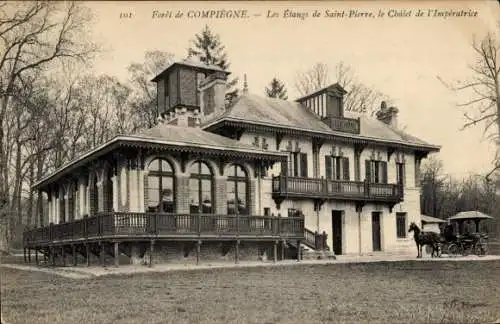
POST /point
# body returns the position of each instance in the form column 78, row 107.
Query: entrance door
column 377, row 246
column 337, row 231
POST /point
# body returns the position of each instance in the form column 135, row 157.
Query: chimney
column 184, row 118
column 245, row 84
column 212, row 93
column 389, row 115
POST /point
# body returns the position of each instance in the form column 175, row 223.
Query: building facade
column 273, row 173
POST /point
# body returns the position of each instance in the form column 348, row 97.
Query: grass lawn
column 392, row 292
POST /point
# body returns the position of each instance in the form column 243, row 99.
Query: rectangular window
column 297, row 164
column 400, row 173
column 328, row 167
column 303, row 165
column 267, row 211
column 357, row 170
column 401, row 225
column 336, row 168
column 345, row 169
column 292, row 212
column 376, row 171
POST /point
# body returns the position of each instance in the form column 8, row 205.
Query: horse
column 425, row 238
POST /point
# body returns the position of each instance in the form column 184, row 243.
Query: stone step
column 318, row 255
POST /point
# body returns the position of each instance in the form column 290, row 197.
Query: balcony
column 294, row 187
column 342, row 124
column 183, row 227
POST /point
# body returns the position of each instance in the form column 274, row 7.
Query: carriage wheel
column 477, row 249
column 482, row 249
column 465, row 250
column 453, row 249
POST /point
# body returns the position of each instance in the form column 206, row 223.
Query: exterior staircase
column 314, row 247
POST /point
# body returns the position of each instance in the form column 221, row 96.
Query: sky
column 403, row 57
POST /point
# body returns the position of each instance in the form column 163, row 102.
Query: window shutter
column 303, row 165
column 295, row 165
column 291, row 162
column 345, row 168
column 384, row 172
column 367, row 170
column 338, row 166
column 328, row 167
column 403, row 175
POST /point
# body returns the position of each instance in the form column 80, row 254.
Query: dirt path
column 82, row 272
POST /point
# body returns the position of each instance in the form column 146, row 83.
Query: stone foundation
column 165, row 252
column 170, row 252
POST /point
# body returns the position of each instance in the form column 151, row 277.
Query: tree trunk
column 31, row 197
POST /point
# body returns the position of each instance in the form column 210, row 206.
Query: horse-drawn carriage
column 448, row 243
column 465, row 244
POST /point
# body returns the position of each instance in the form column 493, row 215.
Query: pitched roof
column 190, row 63
column 470, row 215
column 171, row 135
column 271, row 111
column 430, row 219
column 288, row 114
column 194, row 136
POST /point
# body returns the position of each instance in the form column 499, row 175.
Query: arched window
column 108, row 191
column 94, row 196
column 62, row 204
column 160, row 190
column 73, row 201
column 76, row 200
column 200, row 189
column 237, row 191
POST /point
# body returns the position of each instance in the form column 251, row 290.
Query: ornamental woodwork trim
column 336, row 151
column 282, row 131
column 376, row 155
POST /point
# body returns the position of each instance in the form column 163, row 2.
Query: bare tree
column 360, row 98
column 483, row 91
column 35, row 37
column 432, row 182
column 313, row 79
column 143, row 93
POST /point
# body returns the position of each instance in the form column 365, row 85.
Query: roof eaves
column 429, row 147
column 77, row 160
column 149, row 139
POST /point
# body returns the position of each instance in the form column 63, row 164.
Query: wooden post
column 87, row 254
column 151, row 250
column 323, row 241
column 117, row 254
column 63, row 255
column 73, row 251
column 29, row 255
column 36, row 257
column 237, row 252
column 53, row 256
column 25, row 256
column 298, row 250
column 283, row 243
column 275, row 254
column 198, row 248
column 101, row 254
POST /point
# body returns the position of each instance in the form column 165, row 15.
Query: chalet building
column 253, row 180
